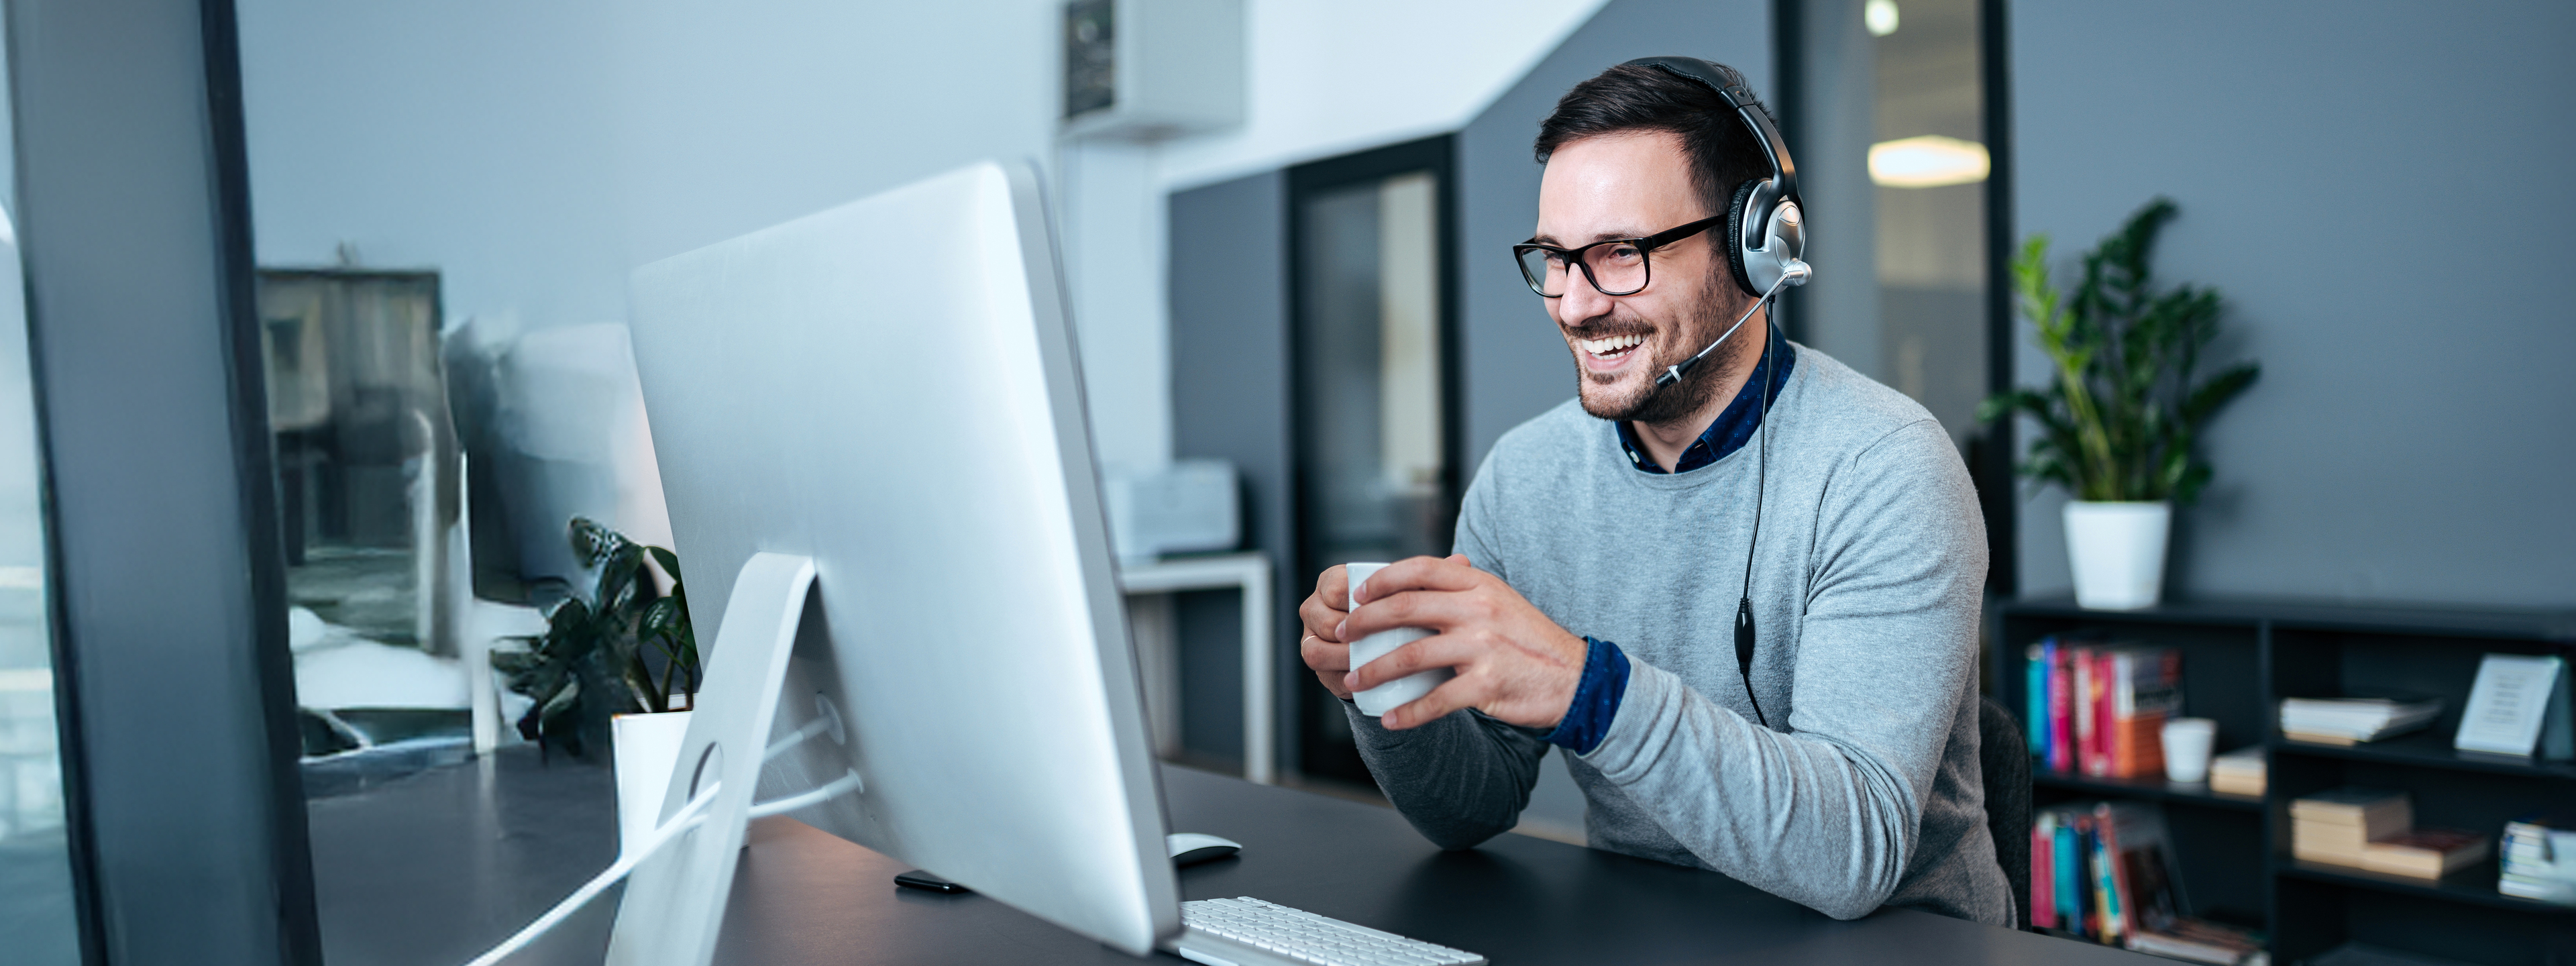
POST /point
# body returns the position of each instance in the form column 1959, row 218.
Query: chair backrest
column 2004, row 756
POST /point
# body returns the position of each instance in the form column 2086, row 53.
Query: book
column 2061, row 708
column 2425, row 853
column 2337, row 826
column 2539, row 861
column 2070, row 904
column 2200, row 941
column 2035, row 693
column 2082, row 712
column 2043, row 868
column 2519, row 706
column 2381, row 810
column 2345, row 721
column 2239, row 772
column 2144, row 691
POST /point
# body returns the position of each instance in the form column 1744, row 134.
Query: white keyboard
column 1244, row 931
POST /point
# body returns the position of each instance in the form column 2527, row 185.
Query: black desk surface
column 803, row 896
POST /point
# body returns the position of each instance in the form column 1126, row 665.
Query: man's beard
column 1656, row 405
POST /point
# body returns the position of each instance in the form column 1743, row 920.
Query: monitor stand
column 675, row 900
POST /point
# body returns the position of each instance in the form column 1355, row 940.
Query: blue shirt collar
column 1734, row 425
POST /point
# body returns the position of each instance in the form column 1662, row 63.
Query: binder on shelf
column 2519, row 706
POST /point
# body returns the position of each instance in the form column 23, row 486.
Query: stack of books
column 2540, row 858
column 2100, row 710
column 2345, row 721
column 2372, row 830
column 2333, row 827
column 2238, row 772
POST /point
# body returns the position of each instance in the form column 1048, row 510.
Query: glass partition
column 38, row 920
column 1375, row 432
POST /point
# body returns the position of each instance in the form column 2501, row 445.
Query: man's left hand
column 1513, row 663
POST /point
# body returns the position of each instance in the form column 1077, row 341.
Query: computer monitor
column 889, row 389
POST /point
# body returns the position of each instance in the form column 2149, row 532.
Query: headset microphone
column 1794, row 273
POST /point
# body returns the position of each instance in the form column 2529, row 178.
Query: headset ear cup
column 1734, row 243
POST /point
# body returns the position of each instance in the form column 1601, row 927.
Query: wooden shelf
column 2475, row 885
column 2153, row 789
column 2429, row 749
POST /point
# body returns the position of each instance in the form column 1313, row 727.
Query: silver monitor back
column 890, row 388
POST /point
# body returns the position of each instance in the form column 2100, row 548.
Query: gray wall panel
column 1516, row 365
column 2381, row 191
column 1229, row 312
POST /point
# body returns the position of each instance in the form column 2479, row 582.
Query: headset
column 1765, row 235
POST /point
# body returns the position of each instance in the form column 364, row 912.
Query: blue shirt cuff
column 1596, row 698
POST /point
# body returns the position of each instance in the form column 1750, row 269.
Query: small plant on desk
column 599, row 657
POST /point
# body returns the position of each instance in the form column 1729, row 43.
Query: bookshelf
column 2239, row 658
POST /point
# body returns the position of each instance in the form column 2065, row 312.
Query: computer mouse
column 1192, row 848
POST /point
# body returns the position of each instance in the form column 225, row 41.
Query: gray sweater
column 1866, row 589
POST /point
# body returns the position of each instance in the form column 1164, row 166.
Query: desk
column 802, row 896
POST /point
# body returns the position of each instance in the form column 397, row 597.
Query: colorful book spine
column 2043, row 869
column 2061, row 709
column 2041, row 656
column 2070, row 906
column 2106, row 895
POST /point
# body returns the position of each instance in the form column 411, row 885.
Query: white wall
column 1330, row 77
column 535, row 153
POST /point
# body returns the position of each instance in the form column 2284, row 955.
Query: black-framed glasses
column 1616, row 266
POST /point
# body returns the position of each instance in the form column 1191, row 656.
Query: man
column 1602, row 549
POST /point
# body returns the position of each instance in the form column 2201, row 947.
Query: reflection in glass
column 1372, row 469
column 1369, row 358
column 38, row 924
column 368, row 503
column 1931, row 209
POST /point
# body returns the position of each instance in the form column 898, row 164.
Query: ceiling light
column 1879, row 16
column 1929, row 161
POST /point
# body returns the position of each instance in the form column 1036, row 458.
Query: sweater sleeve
column 1464, row 778
column 1828, row 813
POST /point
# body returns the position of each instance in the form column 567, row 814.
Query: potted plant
column 2119, row 422
column 628, row 649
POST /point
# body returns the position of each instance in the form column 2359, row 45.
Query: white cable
column 848, row 782
column 688, row 817
column 797, row 737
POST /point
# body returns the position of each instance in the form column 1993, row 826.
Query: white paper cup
column 2187, row 742
column 1393, row 694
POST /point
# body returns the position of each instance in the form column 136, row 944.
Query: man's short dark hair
column 1723, row 153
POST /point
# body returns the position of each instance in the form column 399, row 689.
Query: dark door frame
column 167, row 581
column 1991, row 452
column 1438, row 155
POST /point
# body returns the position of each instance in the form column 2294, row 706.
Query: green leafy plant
column 598, row 657
column 2120, row 420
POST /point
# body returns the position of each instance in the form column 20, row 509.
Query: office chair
column 2003, row 754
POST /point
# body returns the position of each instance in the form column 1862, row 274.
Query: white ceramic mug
column 1386, row 697
column 2187, row 742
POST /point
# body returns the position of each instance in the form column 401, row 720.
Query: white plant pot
column 643, row 750
column 2118, row 552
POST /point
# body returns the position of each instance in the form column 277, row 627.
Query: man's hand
column 1322, row 646
column 1513, row 663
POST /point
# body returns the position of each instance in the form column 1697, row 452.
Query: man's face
column 1631, row 186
